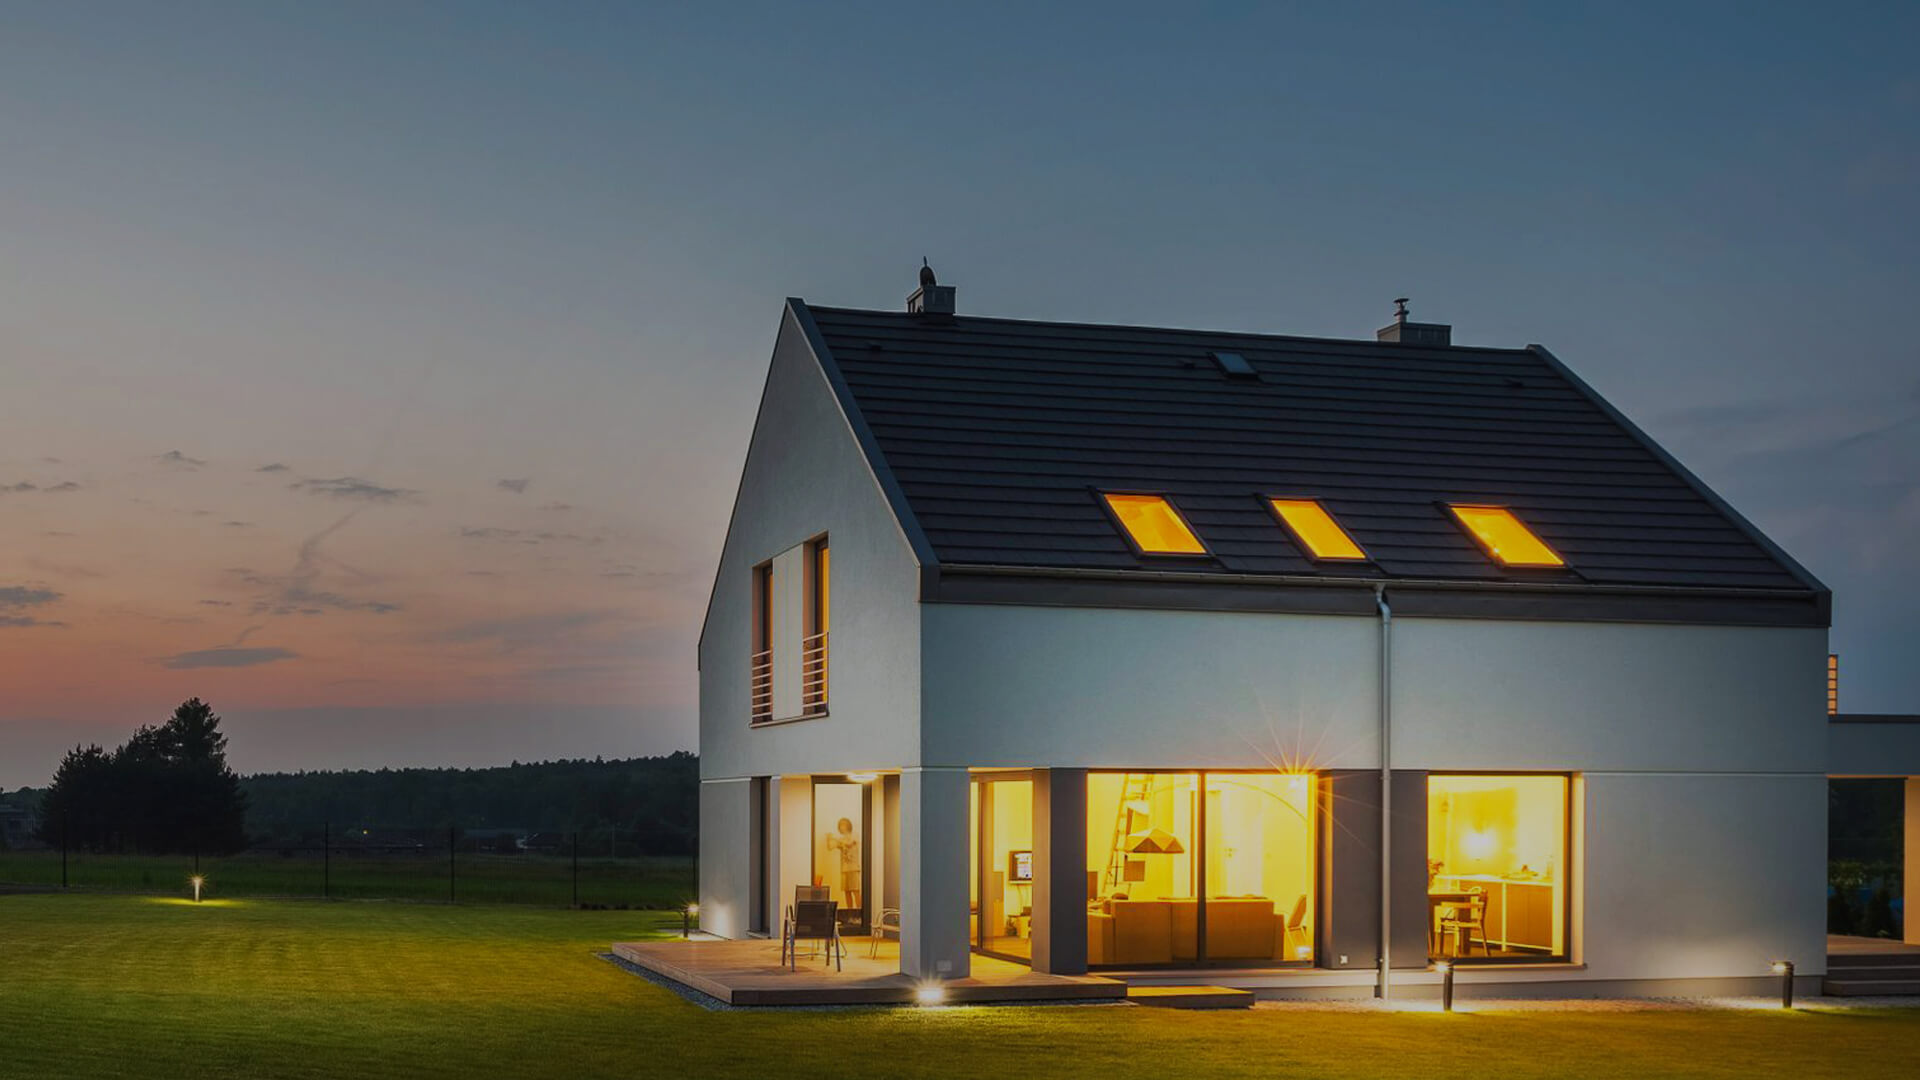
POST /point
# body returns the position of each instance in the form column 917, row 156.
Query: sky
column 382, row 373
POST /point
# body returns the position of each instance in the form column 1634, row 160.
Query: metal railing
column 761, row 686
column 813, row 674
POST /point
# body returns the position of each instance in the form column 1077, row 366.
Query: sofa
column 1129, row 932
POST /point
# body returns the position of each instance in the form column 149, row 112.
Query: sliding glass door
column 1187, row 868
column 1001, row 891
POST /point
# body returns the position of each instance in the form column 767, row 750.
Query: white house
column 1104, row 648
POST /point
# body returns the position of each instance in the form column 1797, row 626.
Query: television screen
column 1020, row 867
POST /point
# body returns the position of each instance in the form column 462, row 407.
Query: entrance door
column 1002, row 886
column 843, row 848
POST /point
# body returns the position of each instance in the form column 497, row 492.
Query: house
column 1301, row 662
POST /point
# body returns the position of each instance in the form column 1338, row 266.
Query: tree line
column 169, row 790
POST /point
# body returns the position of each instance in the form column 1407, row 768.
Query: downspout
column 1386, row 790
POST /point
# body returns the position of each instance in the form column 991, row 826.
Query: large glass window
column 1002, row 846
column 1497, row 866
column 1169, row 854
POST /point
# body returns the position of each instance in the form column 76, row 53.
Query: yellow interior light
column 1316, row 530
column 1156, row 527
column 1505, row 538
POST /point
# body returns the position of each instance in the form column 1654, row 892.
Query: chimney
column 932, row 300
column 1413, row 333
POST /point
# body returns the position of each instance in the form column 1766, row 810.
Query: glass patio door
column 843, row 848
column 1001, row 892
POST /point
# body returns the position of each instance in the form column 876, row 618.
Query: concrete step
column 1871, row 987
column 1190, row 997
column 1853, row 961
column 1877, row 971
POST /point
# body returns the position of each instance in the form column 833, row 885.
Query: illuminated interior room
column 1496, row 867
column 1002, row 857
column 1169, row 852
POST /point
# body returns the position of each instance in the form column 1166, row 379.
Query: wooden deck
column 750, row 973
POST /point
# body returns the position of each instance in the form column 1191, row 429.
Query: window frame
column 1120, row 526
column 1267, row 500
column 1449, row 508
column 1569, row 876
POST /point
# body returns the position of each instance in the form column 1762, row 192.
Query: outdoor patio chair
column 800, row 892
column 888, row 923
column 813, row 920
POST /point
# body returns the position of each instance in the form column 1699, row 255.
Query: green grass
column 651, row 882
column 120, row 986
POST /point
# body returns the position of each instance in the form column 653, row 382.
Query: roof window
column 1504, row 537
column 1315, row 530
column 1233, row 365
column 1153, row 525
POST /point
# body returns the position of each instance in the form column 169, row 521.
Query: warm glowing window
column 1497, row 866
column 1161, row 847
column 1505, row 538
column 1155, row 526
column 1833, row 683
column 1316, row 530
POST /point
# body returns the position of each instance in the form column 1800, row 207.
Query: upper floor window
column 1504, row 537
column 1315, row 529
column 792, row 614
column 1154, row 526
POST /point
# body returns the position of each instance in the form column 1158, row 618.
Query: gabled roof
column 998, row 433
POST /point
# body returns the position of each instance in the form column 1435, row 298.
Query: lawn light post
column 196, row 881
column 1446, row 985
column 1784, row 969
column 686, row 920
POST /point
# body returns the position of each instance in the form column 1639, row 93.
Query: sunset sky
column 382, row 373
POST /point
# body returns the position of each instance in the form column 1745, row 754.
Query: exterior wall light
column 1784, row 969
column 196, row 881
column 1446, row 984
column 863, row 777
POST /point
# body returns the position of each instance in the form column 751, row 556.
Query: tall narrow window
column 1504, row 537
column 1154, row 526
column 814, row 651
column 1316, row 531
column 760, row 665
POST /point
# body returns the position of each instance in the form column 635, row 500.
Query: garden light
column 686, row 920
column 196, row 881
column 1784, row 969
column 930, row 993
column 1446, row 985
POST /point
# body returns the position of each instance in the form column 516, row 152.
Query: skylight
column 1504, row 537
column 1155, row 527
column 1234, row 365
column 1316, row 530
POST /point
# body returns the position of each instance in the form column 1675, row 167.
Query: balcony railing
column 813, row 674
column 761, row 694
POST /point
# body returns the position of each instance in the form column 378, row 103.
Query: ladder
column 1134, row 788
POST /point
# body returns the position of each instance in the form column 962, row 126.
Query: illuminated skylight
column 1504, row 537
column 1316, row 530
column 1155, row 526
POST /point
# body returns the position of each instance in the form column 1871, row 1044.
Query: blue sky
column 430, row 248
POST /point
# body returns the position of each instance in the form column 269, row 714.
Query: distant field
column 104, row 986
column 646, row 882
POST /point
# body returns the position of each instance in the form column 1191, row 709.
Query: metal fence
column 446, row 863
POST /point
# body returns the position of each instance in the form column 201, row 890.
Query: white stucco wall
column 1030, row 686
column 804, row 476
column 725, row 906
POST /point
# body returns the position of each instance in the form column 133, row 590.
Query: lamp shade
column 1155, row 842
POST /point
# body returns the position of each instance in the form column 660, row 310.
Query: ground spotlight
column 930, row 993
column 1446, row 985
column 1784, row 969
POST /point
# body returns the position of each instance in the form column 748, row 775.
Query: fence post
column 326, row 860
column 576, row 868
column 450, row 869
column 63, row 849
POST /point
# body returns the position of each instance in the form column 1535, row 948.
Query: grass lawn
column 652, row 881
column 110, row 986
